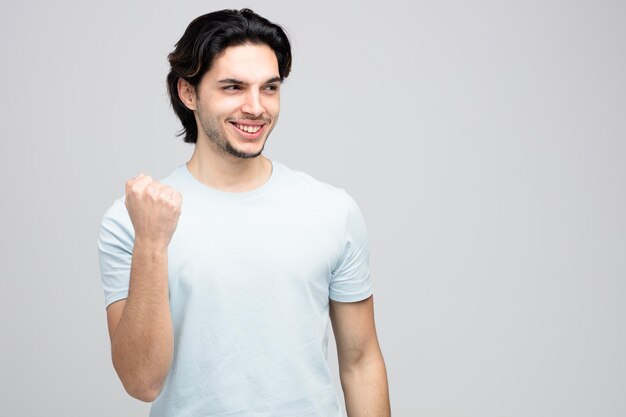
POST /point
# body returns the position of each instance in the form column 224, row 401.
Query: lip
column 248, row 135
column 247, row 122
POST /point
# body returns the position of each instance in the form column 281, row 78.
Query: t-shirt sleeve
column 115, row 250
column 350, row 280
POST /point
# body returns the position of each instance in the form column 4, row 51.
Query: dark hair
column 206, row 37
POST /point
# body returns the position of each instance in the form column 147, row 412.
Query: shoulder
column 176, row 178
column 116, row 224
column 307, row 186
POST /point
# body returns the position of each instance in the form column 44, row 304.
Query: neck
column 225, row 172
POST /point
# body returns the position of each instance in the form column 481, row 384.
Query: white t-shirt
column 250, row 277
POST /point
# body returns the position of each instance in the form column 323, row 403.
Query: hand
column 154, row 209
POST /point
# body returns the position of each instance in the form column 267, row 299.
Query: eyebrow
column 239, row 82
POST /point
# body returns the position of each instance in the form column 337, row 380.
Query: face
column 237, row 102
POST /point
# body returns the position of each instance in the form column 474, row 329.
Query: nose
column 252, row 104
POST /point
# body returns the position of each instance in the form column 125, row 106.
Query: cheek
column 225, row 106
column 272, row 105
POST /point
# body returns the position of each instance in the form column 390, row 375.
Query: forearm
column 365, row 388
column 142, row 346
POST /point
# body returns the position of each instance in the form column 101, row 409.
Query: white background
column 483, row 140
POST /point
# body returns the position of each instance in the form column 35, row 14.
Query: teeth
column 249, row 129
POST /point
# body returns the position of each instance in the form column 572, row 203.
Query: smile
column 249, row 131
column 248, row 128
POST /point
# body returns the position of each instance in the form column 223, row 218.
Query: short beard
column 226, row 146
column 222, row 143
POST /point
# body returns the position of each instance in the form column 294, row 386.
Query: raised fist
column 154, row 209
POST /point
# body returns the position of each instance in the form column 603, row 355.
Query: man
column 220, row 306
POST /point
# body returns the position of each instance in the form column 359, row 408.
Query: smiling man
column 222, row 280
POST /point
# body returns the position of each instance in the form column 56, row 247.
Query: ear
column 187, row 94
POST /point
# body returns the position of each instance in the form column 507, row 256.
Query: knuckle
column 137, row 188
column 134, row 190
column 153, row 191
column 165, row 193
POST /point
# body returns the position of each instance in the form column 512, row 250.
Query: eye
column 271, row 88
column 232, row 87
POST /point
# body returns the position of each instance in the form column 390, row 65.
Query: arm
column 140, row 326
column 361, row 365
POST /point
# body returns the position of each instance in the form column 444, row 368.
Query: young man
column 221, row 279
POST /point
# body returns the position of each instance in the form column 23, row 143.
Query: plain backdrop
column 485, row 142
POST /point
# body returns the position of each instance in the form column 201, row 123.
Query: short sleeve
column 115, row 250
column 350, row 279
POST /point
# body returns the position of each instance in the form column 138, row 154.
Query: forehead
column 249, row 63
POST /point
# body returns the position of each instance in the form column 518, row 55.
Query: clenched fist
column 154, row 209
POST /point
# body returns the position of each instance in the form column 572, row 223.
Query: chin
column 247, row 151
